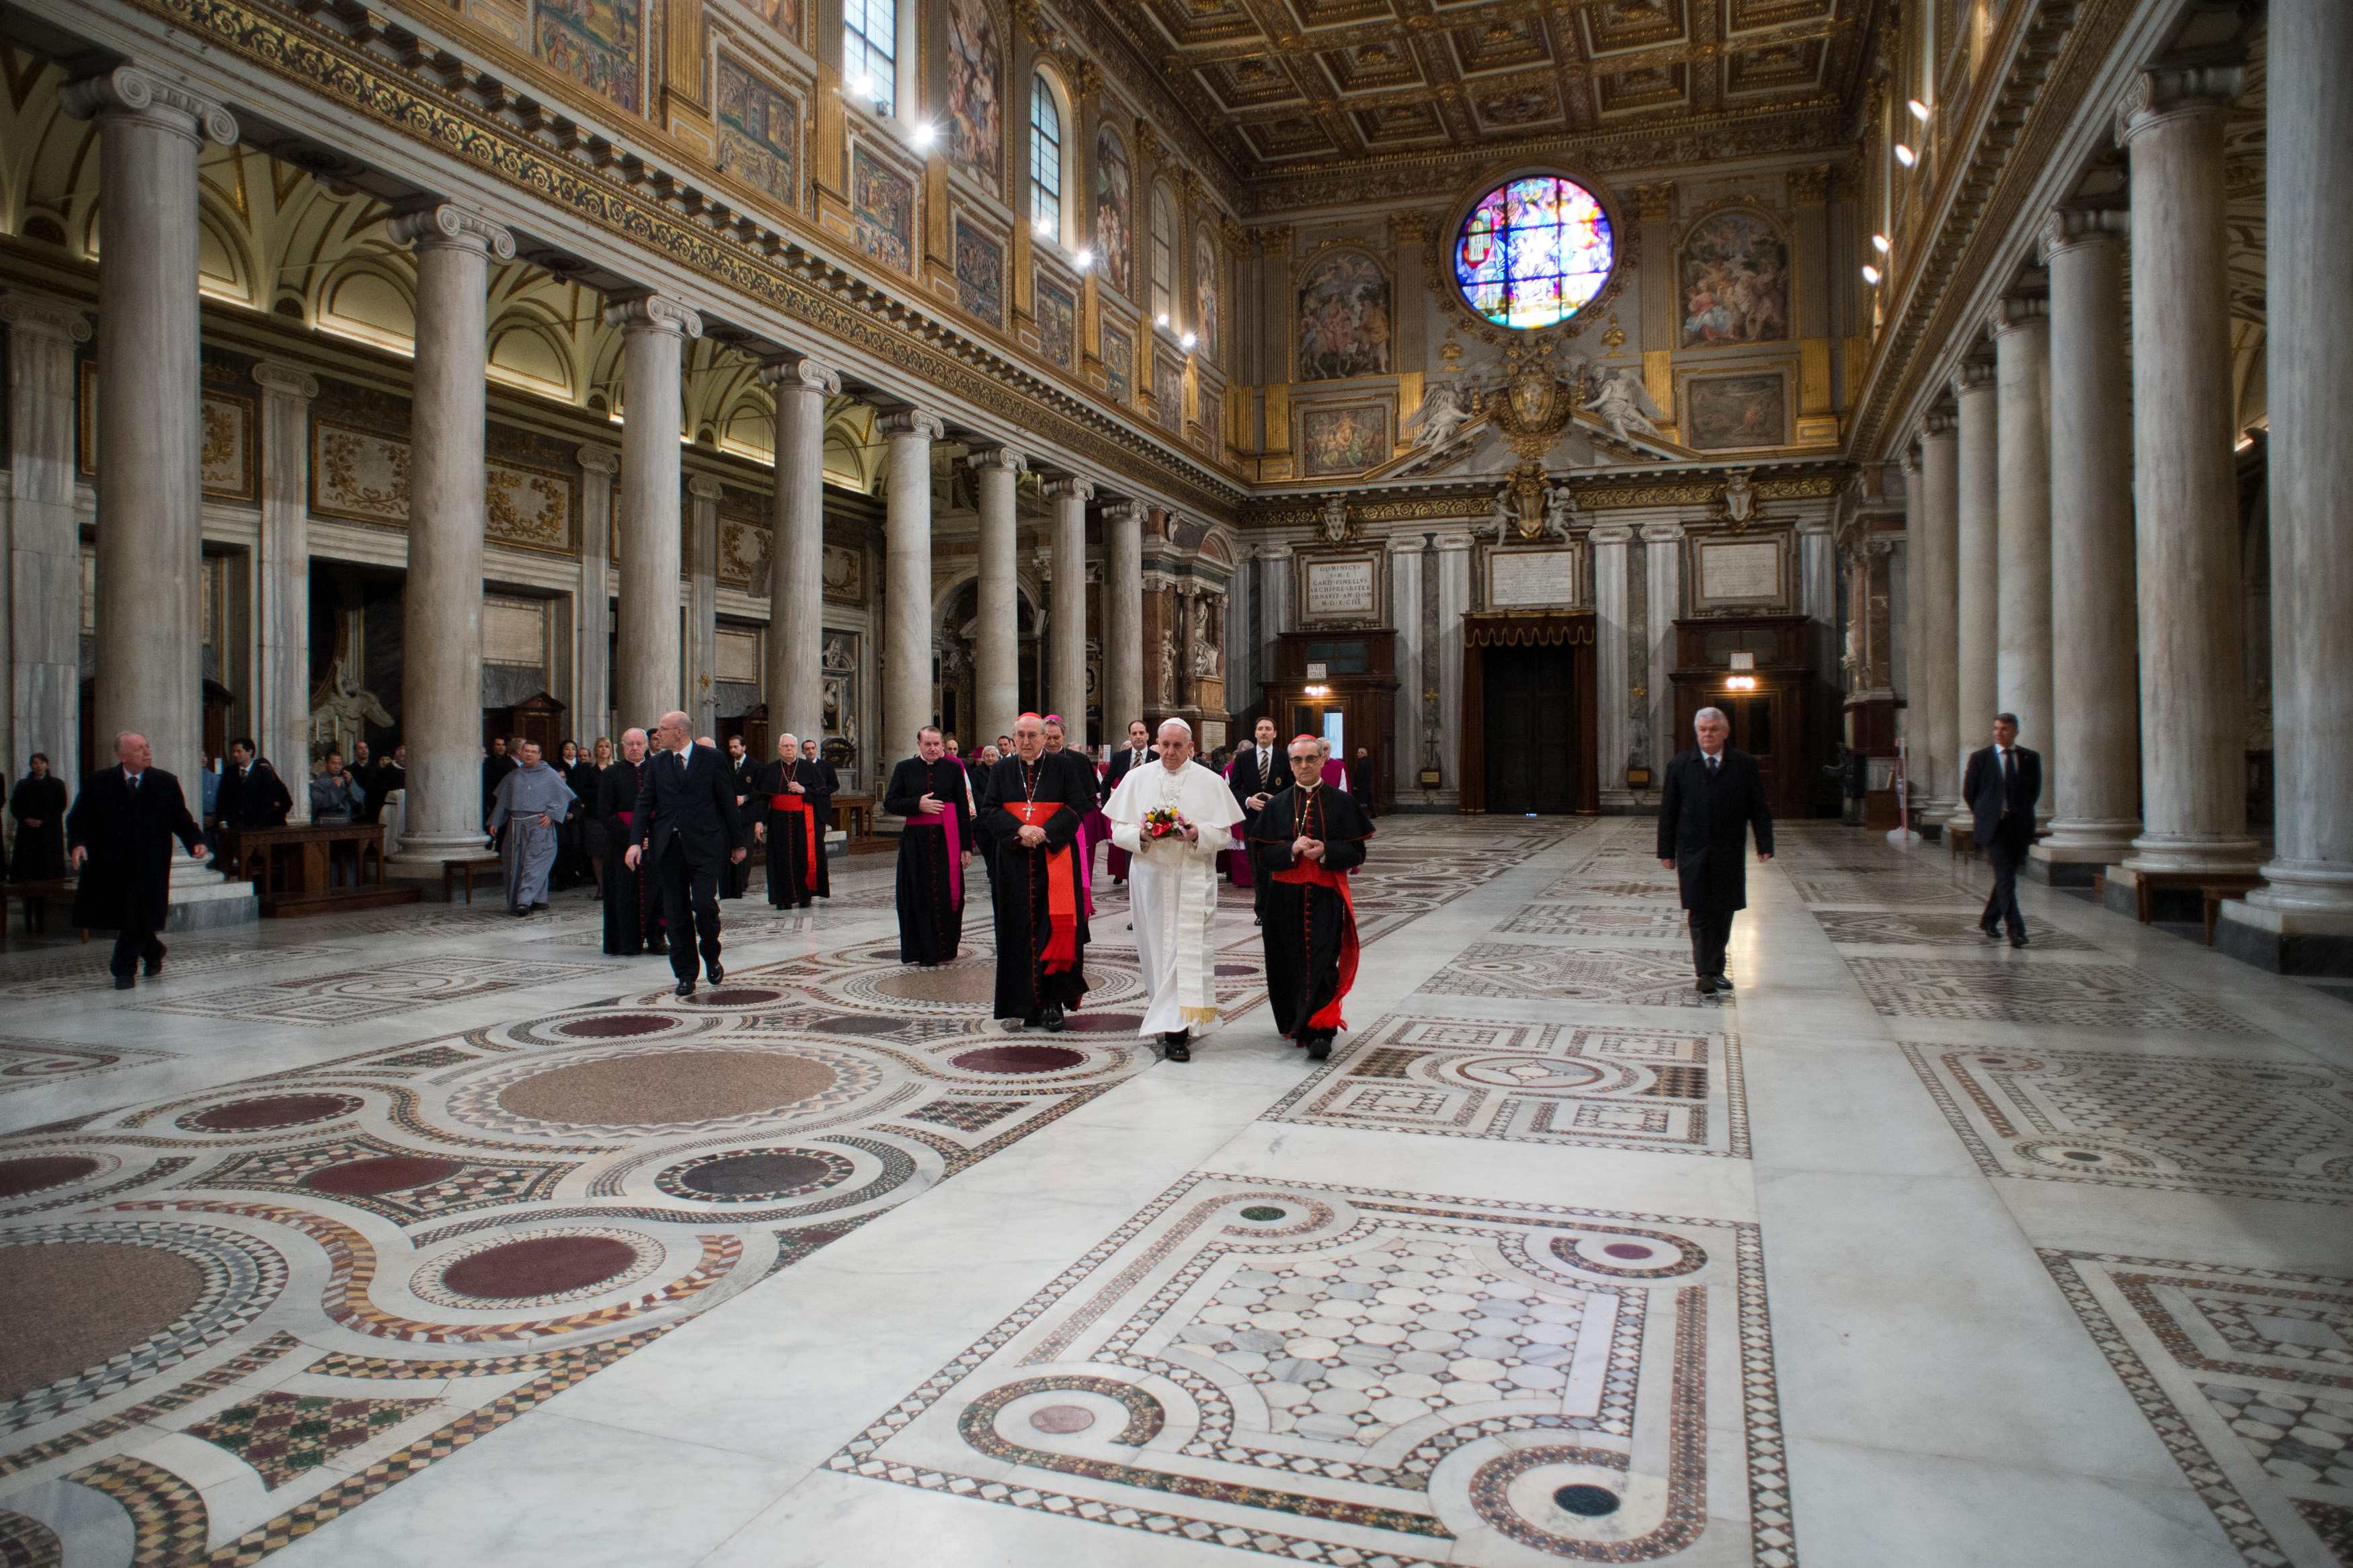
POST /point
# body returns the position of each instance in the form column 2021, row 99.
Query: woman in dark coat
column 38, row 804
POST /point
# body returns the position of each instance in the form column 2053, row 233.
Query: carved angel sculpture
column 1439, row 417
column 1560, row 502
column 1621, row 402
column 1501, row 516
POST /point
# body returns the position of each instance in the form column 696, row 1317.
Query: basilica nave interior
column 1486, row 385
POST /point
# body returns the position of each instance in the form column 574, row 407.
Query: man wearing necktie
column 2000, row 785
column 1714, row 796
column 688, row 832
column 1139, row 747
column 120, row 834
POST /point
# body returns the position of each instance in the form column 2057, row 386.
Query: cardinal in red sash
column 1304, row 842
column 791, row 809
column 1035, row 810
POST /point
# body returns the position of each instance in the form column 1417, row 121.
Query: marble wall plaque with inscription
column 1746, row 573
column 1341, row 589
column 1517, row 578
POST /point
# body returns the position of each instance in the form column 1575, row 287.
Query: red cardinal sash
column 799, row 808
column 946, row 822
column 1061, row 891
column 1312, row 873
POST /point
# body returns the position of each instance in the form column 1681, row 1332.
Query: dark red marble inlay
column 1626, row 1250
column 1104, row 1023
column 736, row 996
column 271, row 1110
column 613, row 1025
column 36, row 1171
column 543, row 1266
column 381, row 1173
column 1019, row 1058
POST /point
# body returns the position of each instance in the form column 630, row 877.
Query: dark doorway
column 1531, row 730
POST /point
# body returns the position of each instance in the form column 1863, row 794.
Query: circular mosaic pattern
column 542, row 1270
column 1263, row 1213
column 736, row 996
column 643, row 1022
column 956, row 985
column 667, row 1089
column 268, row 1113
column 1562, row 1500
column 1018, row 1059
column 1061, row 1420
column 1654, row 1257
column 1529, row 1072
column 755, row 1176
column 381, row 1173
column 613, row 1026
column 38, row 1173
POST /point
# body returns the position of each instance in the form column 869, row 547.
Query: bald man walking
column 687, row 825
column 120, row 835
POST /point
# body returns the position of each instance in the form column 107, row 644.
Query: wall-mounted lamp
column 1906, row 156
column 1919, row 109
column 1186, row 341
column 1879, row 243
column 1740, row 683
column 1871, row 275
column 1317, row 691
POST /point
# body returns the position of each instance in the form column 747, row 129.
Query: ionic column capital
column 2155, row 97
column 702, row 487
column 1126, row 513
column 599, row 460
column 2014, row 315
column 126, row 92
column 654, row 312
column 1972, row 378
column 799, row 373
column 44, row 316
column 438, row 225
column 2069, row 228
column 1617, row 533
column 286, row 380
column 1937, row 426
column 1000, row 457
column 1661, row 533
column 908, row 424
column 1070, row 486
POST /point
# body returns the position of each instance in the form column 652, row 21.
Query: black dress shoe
column 686, row 988
column 1705, row 985
column 1723, row 982
column 1176, row 1045
column 717, row 974
column 1992, row 932
column 521, row 913
column 1052, row 1017
column 124, row 983
column 1319, row 1048
column 152, row 968
column 2017, row 939
column 1029, row 1021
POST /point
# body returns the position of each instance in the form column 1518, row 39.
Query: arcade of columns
column 149, row 540
column 2073, row 520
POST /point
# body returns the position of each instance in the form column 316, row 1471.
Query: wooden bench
column 2216, row 892
column 456, row 872
column 855, row 815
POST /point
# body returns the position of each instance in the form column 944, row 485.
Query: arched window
column 1164, row 256
column 870, row 52
column 1045, row 159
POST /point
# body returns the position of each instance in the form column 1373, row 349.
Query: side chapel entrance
column 1530, row 741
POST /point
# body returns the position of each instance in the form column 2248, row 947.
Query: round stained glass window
column 1533, row 252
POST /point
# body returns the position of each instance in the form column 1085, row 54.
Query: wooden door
column 1760, row 728
column 1531, row 730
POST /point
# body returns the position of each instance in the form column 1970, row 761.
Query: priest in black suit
column 1258, row 774
column 687, row 826
column 1042, row 912
column 1139, row 747
column 2000, row 786
column 791, row 807
column 933, row 793
column 633, row 912
column 1714, row 797
column 118, row 835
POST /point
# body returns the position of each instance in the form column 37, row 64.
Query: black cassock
column 796, row 838
column 41, row 851
column 931, row 913
column 1024, row 894
column 1309, row 927
column 633, row 917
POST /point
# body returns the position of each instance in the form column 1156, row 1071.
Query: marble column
column 1978, row 640
column 150, row 492
column 2308, row 903
column 702, row 605
column 441, row 603
column 907, row 706
column 1453, row 603
column 796, row 652
column 1935, row 696
column 283, row 573
column 1124, row 616
column 2095, row 696
column 1612, row 713
column 1662, row 565
column 2021, row 330
column 593, row 614
column 1405, row 551
column 43, row 562
column 649, row 678
column 997, row 635
column 2192, row 688
column 1066, row 632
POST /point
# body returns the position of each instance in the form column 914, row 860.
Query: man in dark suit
column 1139, row 746
column 2000, row 786
column 687, row 825
column 251, row 793
column 1714, row 795
column 120, row 835
column 743, row 764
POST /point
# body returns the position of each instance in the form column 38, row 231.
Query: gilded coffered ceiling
column 1287, row 87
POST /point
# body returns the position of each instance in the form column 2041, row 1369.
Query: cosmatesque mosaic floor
column 430, row 1235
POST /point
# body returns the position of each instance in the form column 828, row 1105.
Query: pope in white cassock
column 1173, row 884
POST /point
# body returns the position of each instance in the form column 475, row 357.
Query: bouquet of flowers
column 1161, row 822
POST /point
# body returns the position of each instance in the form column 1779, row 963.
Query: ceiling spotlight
column 1906, row 156
column 1919, row 109
column 1084, row 259
column 926, row 133
column 1879, row 243
column 1186, row 342
column 1871, row 276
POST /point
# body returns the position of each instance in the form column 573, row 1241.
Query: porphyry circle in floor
column 381, row 1173
column 747, row 1175
column 37, row 1173
column 669, row 1087
column 268, row 1113
column 538, row 1270
column 72, row 1305
column 1018, row 1059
